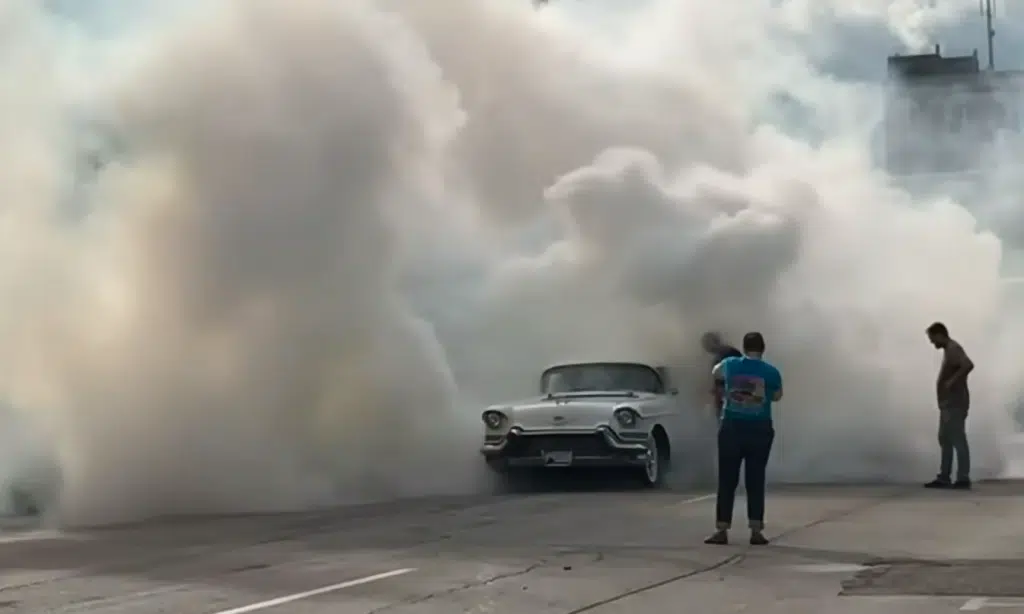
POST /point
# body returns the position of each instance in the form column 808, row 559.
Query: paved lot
column 901, row 550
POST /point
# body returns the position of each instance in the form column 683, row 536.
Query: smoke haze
column 272, row 254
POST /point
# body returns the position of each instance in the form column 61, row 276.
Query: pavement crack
column 839, row 515
column 730, row 560
column 461, row 587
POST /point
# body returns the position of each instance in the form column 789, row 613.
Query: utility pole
column 987, row 8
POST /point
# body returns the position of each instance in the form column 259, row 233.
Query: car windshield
column 597, row 377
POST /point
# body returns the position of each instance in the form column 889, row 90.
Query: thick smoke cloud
column 317, row 236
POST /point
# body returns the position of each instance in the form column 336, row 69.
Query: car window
column 599, row 377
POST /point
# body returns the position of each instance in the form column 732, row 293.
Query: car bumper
column 597, row 448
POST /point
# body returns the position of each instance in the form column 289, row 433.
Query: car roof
column 578, row 363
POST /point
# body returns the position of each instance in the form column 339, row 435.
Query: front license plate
column 557, row 459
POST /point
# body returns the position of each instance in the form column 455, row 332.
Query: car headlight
column 626, row 417
column 493, row 419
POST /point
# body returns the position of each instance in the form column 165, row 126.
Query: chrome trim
column 638, row 460
column 611, row 438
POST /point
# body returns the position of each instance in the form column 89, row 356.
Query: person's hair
column 711, row 338
column 938, row 328
column 753, row 342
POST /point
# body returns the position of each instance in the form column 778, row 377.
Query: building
column 946, row 114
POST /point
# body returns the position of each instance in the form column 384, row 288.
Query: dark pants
column 953, row 439
column 748, row 444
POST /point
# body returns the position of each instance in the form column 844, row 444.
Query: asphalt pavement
column 895, row 549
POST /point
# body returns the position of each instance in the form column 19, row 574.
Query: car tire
column 497, row 466
column 652, row 474
column 507, row 480
column 512, row 483
column 23, row 502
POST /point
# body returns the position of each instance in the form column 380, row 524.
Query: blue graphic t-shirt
column 750, row 384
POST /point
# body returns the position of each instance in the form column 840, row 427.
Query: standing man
column 713, row 344
column 954, row 399
column 745, row 435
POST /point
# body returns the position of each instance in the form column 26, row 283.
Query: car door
column 672, row 403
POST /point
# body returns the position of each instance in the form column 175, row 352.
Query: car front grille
column 536, row 445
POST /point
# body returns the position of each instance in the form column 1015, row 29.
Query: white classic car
column 592, row 414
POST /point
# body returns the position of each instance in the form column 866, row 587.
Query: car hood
column 571, row 411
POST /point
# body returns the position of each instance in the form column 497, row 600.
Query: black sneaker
column 937, row 483
column 757, row 538
column 719, row 538
column 961, row 485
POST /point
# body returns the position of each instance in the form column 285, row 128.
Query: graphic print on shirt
column 746, row 393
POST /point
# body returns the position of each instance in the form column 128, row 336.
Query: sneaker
column 720, row 538
column 961, row 485
column 757, row 538
column 937, row 483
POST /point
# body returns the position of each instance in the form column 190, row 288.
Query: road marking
column 978, row 603
column 697, row 499
column 10, row 538
column 273, row 603
column 829, row 568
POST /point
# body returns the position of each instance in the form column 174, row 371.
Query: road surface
column 895, row 549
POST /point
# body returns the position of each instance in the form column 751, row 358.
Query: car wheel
column 653, row 472
column 23, row 503
column 497, row 466
column 507, row 480
column 512, row 482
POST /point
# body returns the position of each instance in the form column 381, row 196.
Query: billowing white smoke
column 332, row 230
column 224, row 330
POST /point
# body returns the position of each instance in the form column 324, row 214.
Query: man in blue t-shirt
column 745, row 435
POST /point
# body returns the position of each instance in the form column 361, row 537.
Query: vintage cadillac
column 589, row 414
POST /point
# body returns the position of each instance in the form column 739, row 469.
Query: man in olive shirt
column 954, row 399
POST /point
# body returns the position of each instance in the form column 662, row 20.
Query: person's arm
column 777, row 395
column 964, row 365
column 718, row 384
column 717, row 373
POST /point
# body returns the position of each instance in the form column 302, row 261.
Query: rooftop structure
column 945, row 113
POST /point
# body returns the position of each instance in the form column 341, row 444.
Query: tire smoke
column 266, row 255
